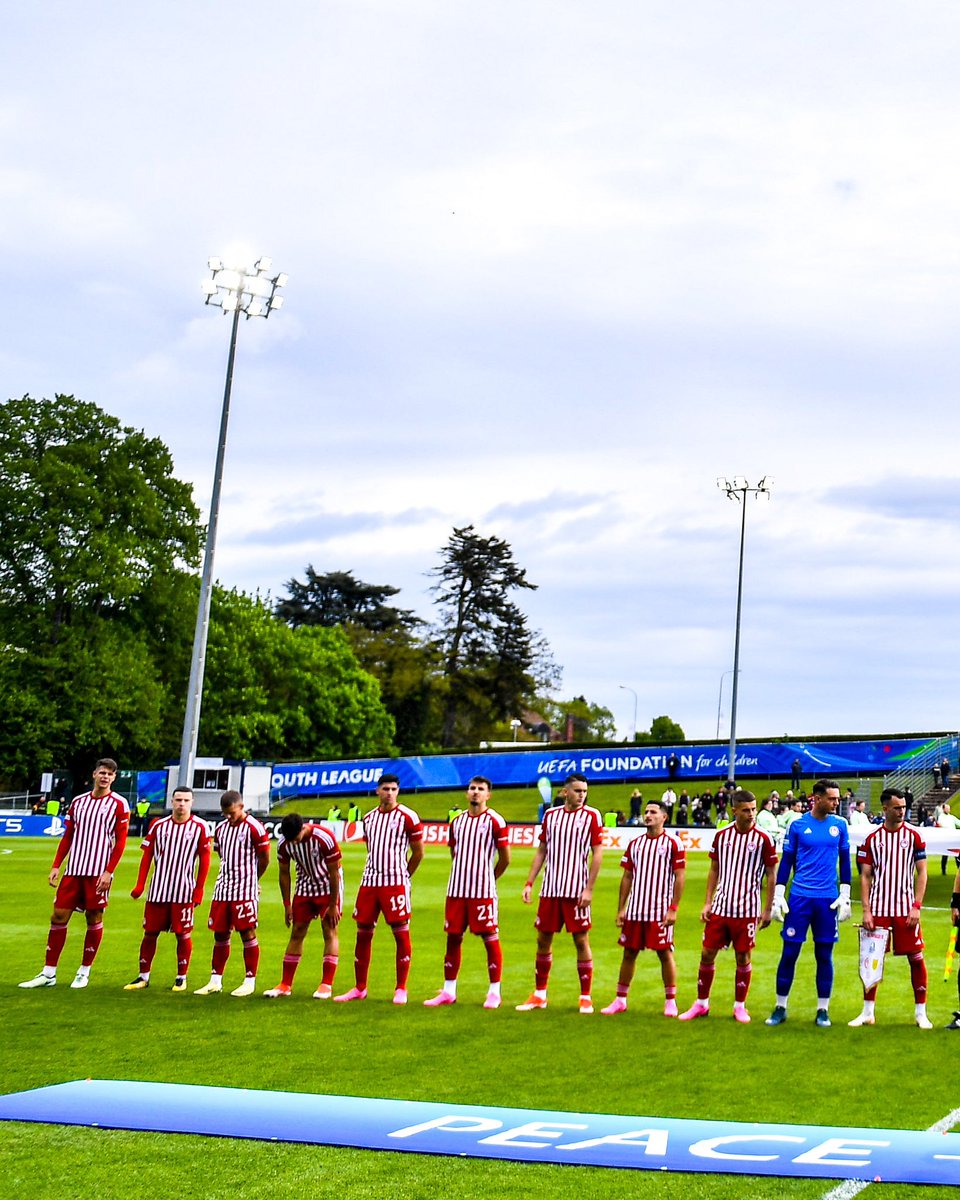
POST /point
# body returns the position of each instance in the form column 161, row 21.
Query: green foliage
column 338, row 598
column 662, row 729
column 275, row 692
column 591, row 722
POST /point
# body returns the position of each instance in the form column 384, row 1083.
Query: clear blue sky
column 554, row 267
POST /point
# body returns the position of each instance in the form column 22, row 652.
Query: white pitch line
column 853, row 1187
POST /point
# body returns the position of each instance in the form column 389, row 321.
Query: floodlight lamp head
column 281, row 280
column 215, row 264
column 263, row 264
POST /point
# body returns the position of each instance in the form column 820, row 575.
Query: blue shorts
column 814, row 913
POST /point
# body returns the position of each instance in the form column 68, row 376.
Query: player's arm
column 866, row 883
column 713, row 876
column 284, row 866
column 596, row 858
column 333, row 870
column 536, row 866
column 626, row 883
column 766, row 915
column 415, row 857
column 203, row 870
column 503, row 859
column 679, row 879
column 62, row 847
column 263, row 858
column 920, row 891
column 146, row 858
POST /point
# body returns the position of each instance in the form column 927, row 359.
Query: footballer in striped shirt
column 741, row 859
column 315, row 853
column 480, row 853
column 244, row 848
column 93, row 840
column 178, row 848
column 394, row 837
column 570, row 853
column 893, row 881
column 654, row 869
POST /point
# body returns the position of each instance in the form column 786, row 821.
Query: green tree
column 339, row 598
column 662, row 729
column 492, row 661
column 272, row 692
column 591, row 722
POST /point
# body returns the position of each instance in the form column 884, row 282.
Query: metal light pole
column 720, row 700
column 633, row 731
column 236, row 290
column 738, row 489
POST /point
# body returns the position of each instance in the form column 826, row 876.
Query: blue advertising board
column 606, row 764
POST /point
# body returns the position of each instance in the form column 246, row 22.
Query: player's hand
column 705, row 913
column 287, row 919
column 914, row 918
column 527, row 892
column 53, row 876
column 955, row 915
column 780, row 906
column 670, row 917
column 842, row 903
column 619, row 919
column 136, row 893
column 765, row 918
column 583, row 900
column 868, row 922
column 104, row 881
column 198, row 895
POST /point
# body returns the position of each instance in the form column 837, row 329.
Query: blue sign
column 604, row 764
column 521, row 1135
column 30, row 826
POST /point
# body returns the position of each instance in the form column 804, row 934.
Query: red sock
column 221, row 952
column 184, row 951
column 330, row 962
column 741, row 982
column 91, row 943
column 361, row 958
column 585, row 975
column 541, row 974
column 705, row 980
column 290, row 964
column 55, row 940
column 251, row 957
column 669, row 991
column 494, row 958
column 871, row 993
column 148, row 948
column 918, row 977
column 402, row 937
column 453, row 956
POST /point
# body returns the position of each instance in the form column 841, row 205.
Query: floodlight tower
column 251, row 292
column 738, row 489
column 633, row 728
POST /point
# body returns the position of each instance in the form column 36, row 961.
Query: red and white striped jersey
column 238, row 847
column 653, row 861
column 474, row 841
column 893, row 855
column 389, row 835
column 568, row 838
column 95, row 825
column 315, row 857
column 176, row 848
column 741, row 859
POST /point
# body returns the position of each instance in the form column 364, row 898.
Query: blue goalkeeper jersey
column 813, row 850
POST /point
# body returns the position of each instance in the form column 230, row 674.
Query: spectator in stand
column 636, row 806
column 795, row 775
column 683, row 807
column 945, row 820
column 669, row 800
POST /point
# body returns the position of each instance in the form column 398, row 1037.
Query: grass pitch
column 639, row 1063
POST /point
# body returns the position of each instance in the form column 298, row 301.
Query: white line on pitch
column 853, row 1187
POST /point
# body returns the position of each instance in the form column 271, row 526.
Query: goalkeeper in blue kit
column 817, row 850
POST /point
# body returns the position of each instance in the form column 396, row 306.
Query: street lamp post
column 251, row 292
column 633, row 730
column 738, row 489
column 720, row 700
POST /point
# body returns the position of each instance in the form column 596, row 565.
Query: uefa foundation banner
column 610, row 764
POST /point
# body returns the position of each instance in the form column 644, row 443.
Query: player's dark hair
column 108, row 763
column 889, row 793
column 291, row 825
column 742, row 796
column 822, row 786
column 576, row 777
column 388, row 778
column 183, row 790
column 658, row 804
column 229, row 799
column 482, row 779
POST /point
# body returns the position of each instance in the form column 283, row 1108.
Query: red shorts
column 79, row 893
column 646, row 935
column 480, row 916
column 225, row 915
column 738, row 932
column 161, row 917
column 393, row 900
column 308, row 908
column 554, row 914
column 906, row 939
